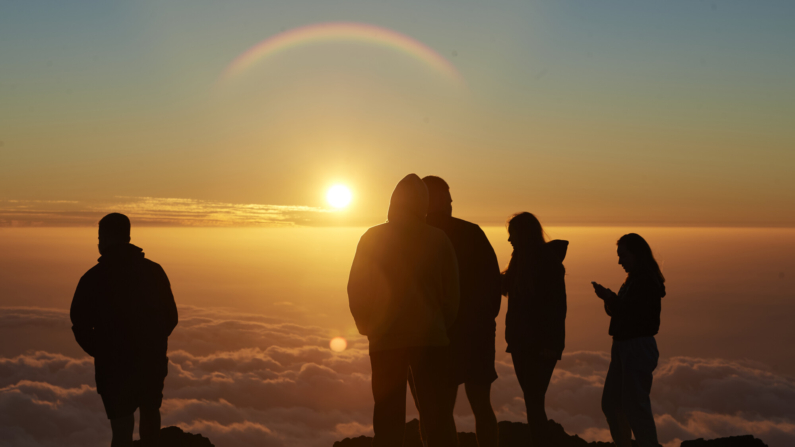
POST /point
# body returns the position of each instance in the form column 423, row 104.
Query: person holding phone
column 634, row 321
column 535, row 325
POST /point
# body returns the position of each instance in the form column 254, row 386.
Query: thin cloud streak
column 158, row 211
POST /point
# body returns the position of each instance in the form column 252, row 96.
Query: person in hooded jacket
column 634, row 321
column 122, row 314
column 535, row 325
column 403, row 293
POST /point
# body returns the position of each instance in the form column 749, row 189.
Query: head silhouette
column 409, row 200
column 439, row 199
column 114, row 229
column 525, row 231
column 635, row 255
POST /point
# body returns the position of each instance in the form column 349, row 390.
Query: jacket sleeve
column 557, row 312
column 554, row 307
column 490, row 272
column 451, row 294
column 170, row 315
column 638, row 299
column 83, row 314
column 622, row 303
column 360, row 286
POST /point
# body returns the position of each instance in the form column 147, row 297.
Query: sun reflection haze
column 338, row 344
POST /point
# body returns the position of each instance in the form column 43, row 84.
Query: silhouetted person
column 535, row 326
column 635, row 320
column 122, row 314
column 472, row 336
column 403, row 294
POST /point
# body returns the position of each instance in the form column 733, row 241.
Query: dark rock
column 359, row 441
column 516, row 434
column 731, row 441
column 175, row 437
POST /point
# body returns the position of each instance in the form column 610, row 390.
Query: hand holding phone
column 600, row 290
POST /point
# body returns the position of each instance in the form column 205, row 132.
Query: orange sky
column 583, row 115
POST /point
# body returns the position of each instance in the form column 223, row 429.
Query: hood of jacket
column 409, row 200
column 558, row 248
column 121, row 252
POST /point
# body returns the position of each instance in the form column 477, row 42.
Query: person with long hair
column 535, row 326
column 634, row 321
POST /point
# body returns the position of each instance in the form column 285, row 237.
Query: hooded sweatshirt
column 536, row 289
column 403, row 287
column 122, row 314
column 635, row 311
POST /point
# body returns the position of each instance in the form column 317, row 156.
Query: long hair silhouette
column 526, row 226
column 638, row 246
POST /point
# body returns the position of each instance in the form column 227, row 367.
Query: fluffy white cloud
column 691, row 398
column 247, row 380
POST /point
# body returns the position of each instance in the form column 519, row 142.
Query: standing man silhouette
column 403, row 294
column 122, row 314
column 473, row 335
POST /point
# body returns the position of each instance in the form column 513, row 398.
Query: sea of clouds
column 250, row 380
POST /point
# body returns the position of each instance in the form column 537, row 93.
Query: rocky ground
column 175, row 437
column 515, row 434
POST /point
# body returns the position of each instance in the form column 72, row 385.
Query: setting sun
column 339, row 196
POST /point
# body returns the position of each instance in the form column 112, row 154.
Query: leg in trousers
column 448, row 394
column 639, row 359
column 428, row 366
column 390, row 372
column 149, row 426
column 534, row 373
column 122, row 428
column 479, row 395
column 612, row 401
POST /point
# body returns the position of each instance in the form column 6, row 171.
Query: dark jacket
column 536, row 290
column 635, row 312
column 403, row 285
column 122, row 314
column 479, row 277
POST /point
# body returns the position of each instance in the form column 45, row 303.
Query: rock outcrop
column 731, row 441
column 175, row 437
column 515, row 434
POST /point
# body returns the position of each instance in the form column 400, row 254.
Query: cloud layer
column 249, row 380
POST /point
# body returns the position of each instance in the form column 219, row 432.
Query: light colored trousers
column 625, row 399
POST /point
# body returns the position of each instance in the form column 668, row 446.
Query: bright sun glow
column 339, row 196
column 338, row 344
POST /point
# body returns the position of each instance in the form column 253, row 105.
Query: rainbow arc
column 331, row 32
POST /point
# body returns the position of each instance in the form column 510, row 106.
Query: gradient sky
column 665, row 113
column 627, row 115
